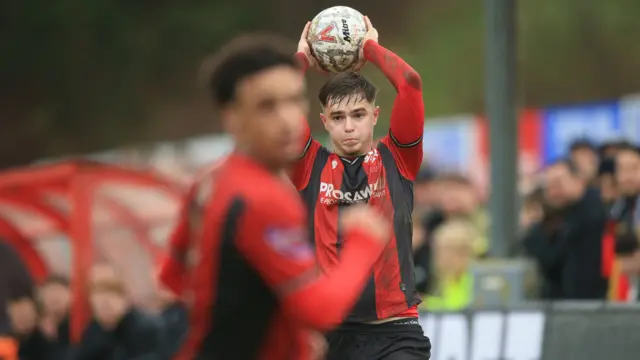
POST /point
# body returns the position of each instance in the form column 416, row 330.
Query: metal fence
column 558, row 331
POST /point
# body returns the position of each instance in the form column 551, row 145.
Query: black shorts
column 396, row 340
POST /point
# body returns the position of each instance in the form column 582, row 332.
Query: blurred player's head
column 260, row 92
column 349, row 112
column 627, row 170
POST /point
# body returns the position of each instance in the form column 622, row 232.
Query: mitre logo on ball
column 335, row 38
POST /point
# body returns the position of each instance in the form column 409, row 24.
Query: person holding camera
column 564, row 235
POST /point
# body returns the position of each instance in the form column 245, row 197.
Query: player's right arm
column 301, row 170
column 275, row 242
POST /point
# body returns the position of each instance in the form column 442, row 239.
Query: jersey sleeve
column 173, row 266
column 276, row 243
column 406, row 126
column 301, row 171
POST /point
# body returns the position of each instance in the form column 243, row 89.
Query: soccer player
column 252, row 284
column 384, row 322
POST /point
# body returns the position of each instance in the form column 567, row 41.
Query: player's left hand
column 372, row 34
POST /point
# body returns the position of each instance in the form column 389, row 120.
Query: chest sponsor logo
column 329, row 195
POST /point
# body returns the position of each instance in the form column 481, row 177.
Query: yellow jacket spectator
column 453, row 253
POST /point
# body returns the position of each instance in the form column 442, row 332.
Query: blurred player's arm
column 407, row 116
column 173, row 265
column 280, row 250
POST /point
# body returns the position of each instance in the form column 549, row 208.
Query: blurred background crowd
column 578, row 226
column 82, row 77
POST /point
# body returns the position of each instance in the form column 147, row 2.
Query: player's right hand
column 303, row 47
column 366, row 219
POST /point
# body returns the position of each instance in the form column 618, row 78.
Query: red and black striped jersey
column 383, row 178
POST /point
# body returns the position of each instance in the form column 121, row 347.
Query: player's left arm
column 407, row 116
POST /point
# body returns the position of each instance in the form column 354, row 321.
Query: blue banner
column 563, row 125
column 630, row 117
column 449, row 143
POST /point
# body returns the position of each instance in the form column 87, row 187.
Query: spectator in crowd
column 459, row 200
column 425, row 190
column 627, row 175
column 40, row 323
column 119, row 330
column 55, row 298
column 585, row 157
column 453, row 253
column 566, row 239
column 53, row 301
column 452, row 197
column 23, row 314
column 607, row 182
column 610, row 149
column 531, row 211
column 624, row 213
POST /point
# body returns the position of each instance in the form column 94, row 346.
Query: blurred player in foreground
column 252, row 283
column 384, row 323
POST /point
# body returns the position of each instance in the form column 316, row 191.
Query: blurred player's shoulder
column 203, row 184
column 264, row 192
column 240, row 176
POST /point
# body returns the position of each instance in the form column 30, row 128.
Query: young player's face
column 267, row 118
column 350, row 124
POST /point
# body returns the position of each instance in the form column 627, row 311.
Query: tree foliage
column 80, row 76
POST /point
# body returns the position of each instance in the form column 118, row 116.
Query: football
column 335, row 37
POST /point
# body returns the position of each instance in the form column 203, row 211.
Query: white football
column 335, row 37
